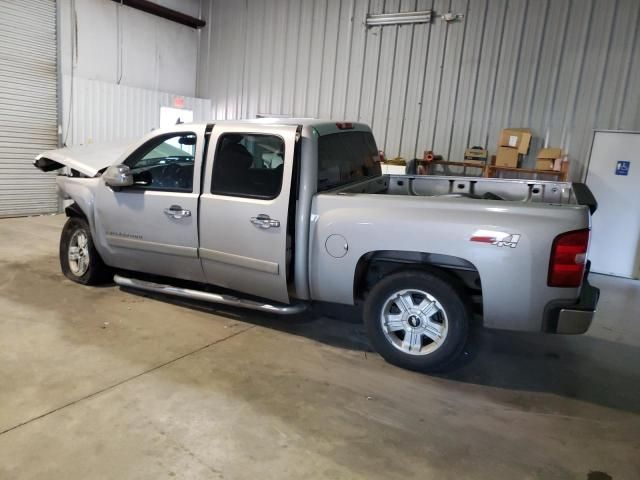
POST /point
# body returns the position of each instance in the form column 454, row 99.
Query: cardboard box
column 548, row 164
column 545, row 164
column 552, row 153
column 519, row 138
column 475, row 156
column 507, row 157
column 548, row 159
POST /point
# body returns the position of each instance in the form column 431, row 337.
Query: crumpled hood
column 86, row 159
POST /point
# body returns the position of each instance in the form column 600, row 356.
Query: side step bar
column 224, row 299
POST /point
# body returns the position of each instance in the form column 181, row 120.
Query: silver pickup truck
column 274, row 214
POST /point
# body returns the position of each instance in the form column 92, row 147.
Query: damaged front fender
column 82, row 192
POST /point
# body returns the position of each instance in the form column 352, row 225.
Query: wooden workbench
column 491, row 170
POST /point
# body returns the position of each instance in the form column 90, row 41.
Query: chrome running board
column 224, row 299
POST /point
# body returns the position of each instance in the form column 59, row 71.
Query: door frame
column 118, row 245
column 275, row 271
column 635, row 273
column 593, row 139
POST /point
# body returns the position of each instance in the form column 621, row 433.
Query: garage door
column 28, row 102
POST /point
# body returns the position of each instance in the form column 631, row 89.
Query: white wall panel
column 560, row 67
column 103, row 40
column 103, row 111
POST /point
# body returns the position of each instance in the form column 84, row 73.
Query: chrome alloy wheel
column 414, row 322
column 78, row 253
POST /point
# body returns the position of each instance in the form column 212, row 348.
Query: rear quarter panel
column 514, row 280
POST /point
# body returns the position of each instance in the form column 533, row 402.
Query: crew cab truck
column 286, row 212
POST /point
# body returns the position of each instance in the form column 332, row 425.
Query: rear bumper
column 573, row 318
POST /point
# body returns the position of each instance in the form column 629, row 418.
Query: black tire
column 95, row 272
column 457, row 316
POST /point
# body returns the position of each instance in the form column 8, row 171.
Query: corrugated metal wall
column 560, row 67
column 28, row 105
column 104, row 111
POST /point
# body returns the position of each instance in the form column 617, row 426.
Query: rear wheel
column 417, row 320
column 79, row 259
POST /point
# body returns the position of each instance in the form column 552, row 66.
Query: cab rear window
column 346, row 157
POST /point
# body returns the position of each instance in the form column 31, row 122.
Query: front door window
column 165, row 163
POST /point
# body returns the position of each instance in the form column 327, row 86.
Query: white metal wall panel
column 104, row 111
column 398, row 91
column 560, row 67
column 28, row 95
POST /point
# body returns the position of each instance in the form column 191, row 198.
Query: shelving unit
column 493, row 170
column 490, row 170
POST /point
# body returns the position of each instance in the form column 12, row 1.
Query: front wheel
column 417, row 320
column 79, row 259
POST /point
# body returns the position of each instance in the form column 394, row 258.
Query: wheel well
column 374, row 266
column 74, row 210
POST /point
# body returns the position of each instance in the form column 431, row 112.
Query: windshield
column 346, row 157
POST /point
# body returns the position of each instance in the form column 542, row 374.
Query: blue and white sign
column 622, row 167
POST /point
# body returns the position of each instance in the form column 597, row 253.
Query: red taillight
column 344, row 125
column 381, row 156
column 568, row 258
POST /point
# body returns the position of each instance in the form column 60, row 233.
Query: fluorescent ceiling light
column 398, row 18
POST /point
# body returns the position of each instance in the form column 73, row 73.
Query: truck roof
column 323, row 126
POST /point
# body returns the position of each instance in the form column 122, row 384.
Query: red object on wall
column 178, row 102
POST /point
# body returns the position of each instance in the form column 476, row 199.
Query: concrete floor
column 102, row 383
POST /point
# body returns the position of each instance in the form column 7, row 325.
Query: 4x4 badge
column 510, row 241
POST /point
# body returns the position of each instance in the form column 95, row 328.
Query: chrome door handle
column 176, row 211
column 264, row 221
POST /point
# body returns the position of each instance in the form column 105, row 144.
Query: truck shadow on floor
column 580, row 367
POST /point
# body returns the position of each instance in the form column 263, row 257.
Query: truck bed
column 558, row 193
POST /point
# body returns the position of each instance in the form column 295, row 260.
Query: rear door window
column 346, row 157
column 248, row 165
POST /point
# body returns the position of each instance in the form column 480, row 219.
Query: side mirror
column 118, row 176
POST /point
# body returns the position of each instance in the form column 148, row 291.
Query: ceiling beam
column 164, row 12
